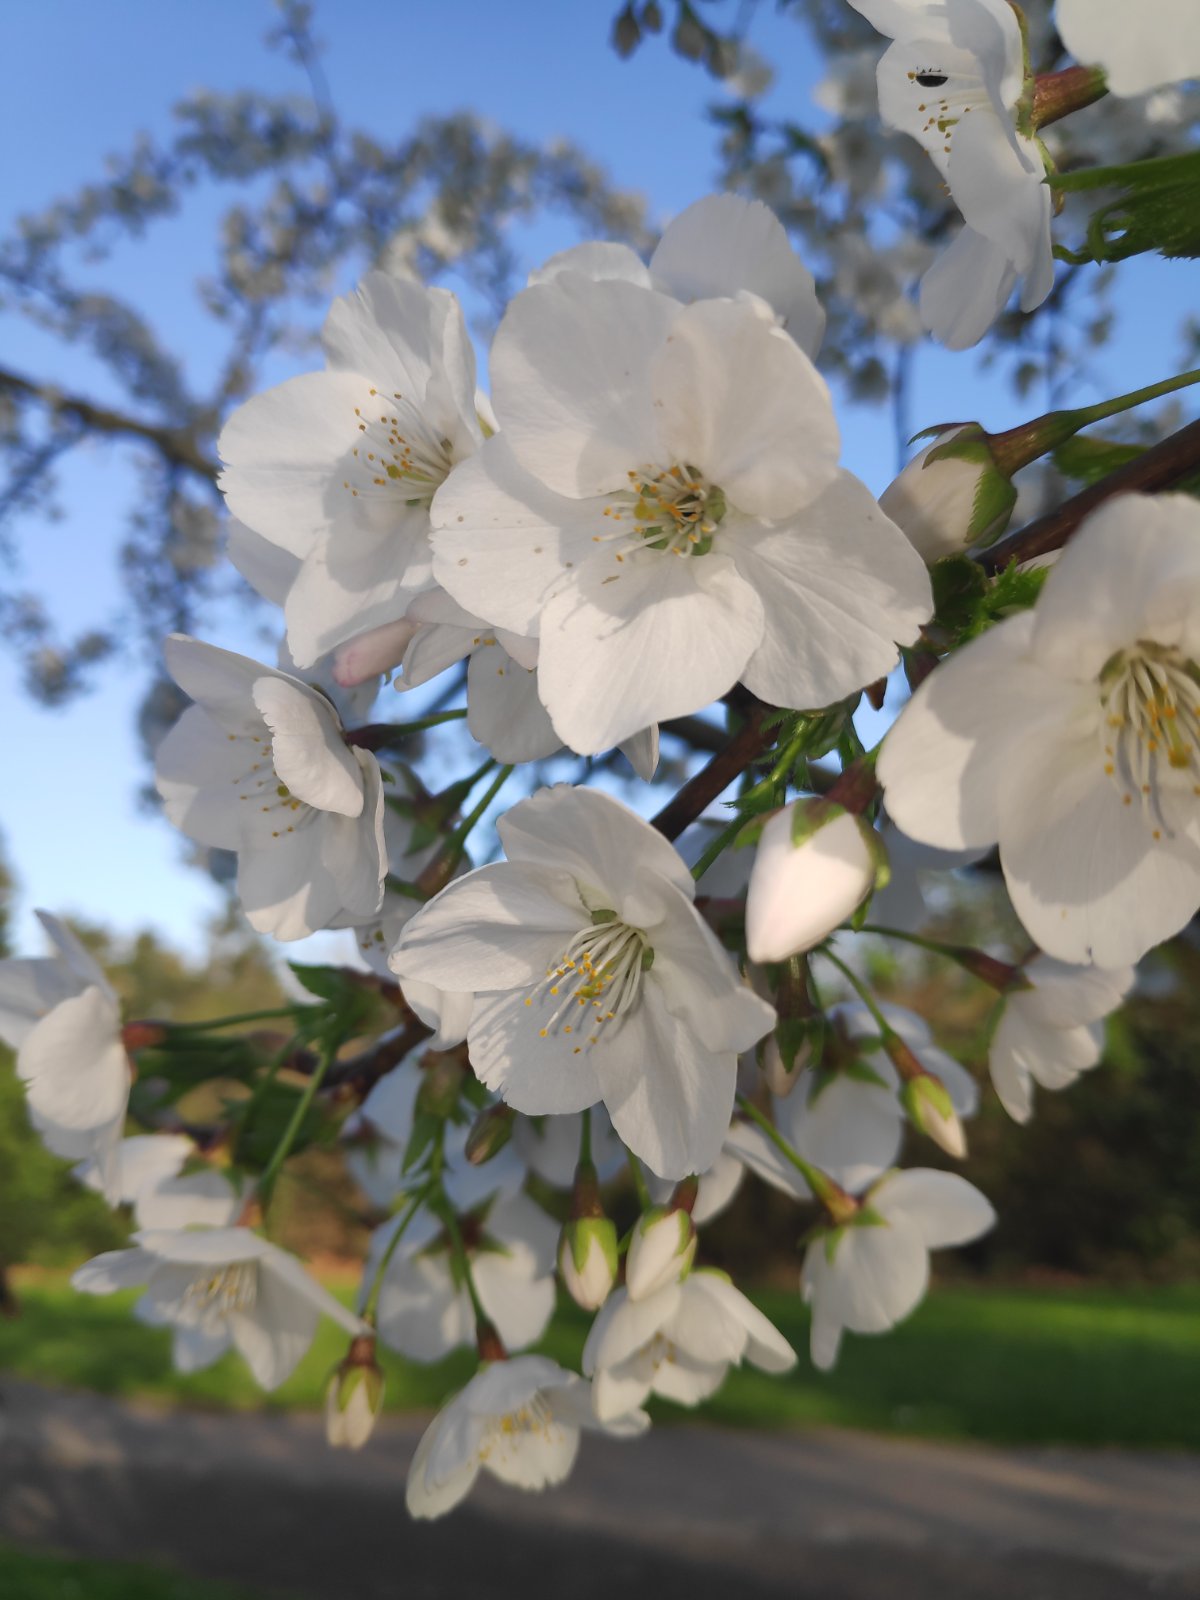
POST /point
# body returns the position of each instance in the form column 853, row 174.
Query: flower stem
column 1160, row 467
column 718, row 847
column 380, row 735
column 585, row 1138
column 231, row 1022
column 639, row 1180
column 266, row 1183
column 1000, row 975
column 830, row 1194
column 372, row 1301
column 860, row 989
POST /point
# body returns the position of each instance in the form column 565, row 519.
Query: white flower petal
column 306, row 746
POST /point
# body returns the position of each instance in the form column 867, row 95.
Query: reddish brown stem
column 1158, row 468
column 731, row 760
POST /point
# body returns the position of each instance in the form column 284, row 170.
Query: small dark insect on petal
column 932, row 80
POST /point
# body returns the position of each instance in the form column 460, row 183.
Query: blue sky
column 83, row 79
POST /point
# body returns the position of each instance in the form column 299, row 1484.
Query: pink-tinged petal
column 538, row 1069
column 306, row 747
column 598, row 840
column 661, row 636
column 368, row 655
column 942, row 1208
column 283, row 452
column 738, row 399
column 498, row 928
column 670, row 1098
column 961, row 735
column 723, row 245
column 841, row 588
column 1086, row 876
column 504, row 713
column 503, row 543
column 571, row 382
column 966, row 289
column 354, row 580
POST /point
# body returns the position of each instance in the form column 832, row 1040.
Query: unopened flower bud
column 814, row 866
column 928, row 1106
column 354, row 1396
column 951, row 495
column 661, row 1251
column 587, row 1260
column 490, row 1132
column 377, row 651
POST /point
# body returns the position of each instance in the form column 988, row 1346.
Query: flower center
column 535, row 1416
column 216, row 1295
column 398, row 453
column 945, row 97
column 596, row 981
column 1151, row 726
column 676, row 510
column 275, row 808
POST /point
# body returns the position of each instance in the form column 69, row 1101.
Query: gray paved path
column 686, row 1512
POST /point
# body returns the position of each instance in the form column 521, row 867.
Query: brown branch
column 733, row 758
column 359, row 1074
column 1160, row 467
column 178, row 445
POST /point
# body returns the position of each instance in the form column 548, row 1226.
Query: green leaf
column 259, row 1124
column 1087, row 460
column 1157, row 207
column 959, row 585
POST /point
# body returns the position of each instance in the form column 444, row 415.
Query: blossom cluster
column 645, row 516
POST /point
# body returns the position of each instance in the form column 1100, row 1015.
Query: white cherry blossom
column 63, row 1018
column 1140, row 47
column 258, row 765
column 595, row 978
column 424, row 1308
column 338, row 468
column 870, row 1273
column 1070, row 735
column 813, row 867
column 519, row 1420
column 218, row 1288
column 953, row 79
column 678, row 1342
column 150, row 1178
column 663, row 509
column 1048, row 1034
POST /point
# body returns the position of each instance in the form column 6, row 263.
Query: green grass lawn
column 45, row 1577
column 1009, row 1365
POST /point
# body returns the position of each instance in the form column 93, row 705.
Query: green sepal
column 580, row 1235
column 1157, row 207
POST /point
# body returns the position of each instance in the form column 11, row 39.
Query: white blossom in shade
column 549, row 1146
column 801, row 891
column 218, row 1288
column 719, row 247
column 150, row 1178
column 871, row 1272
column 258, row 766
column 377, row 1165
column 63, row 1018
column 678, row 1342
column 662, row 1247
column 1139, row 48
column 664, row 510
column 845, row 1116
column 903, row 901
column 424, row 1307
column 519, row 1420
column 1070, row 735
column 953, row 79
column 339, row 467
column 717, row 1188
column 596, row 979
column 1050, row 1033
